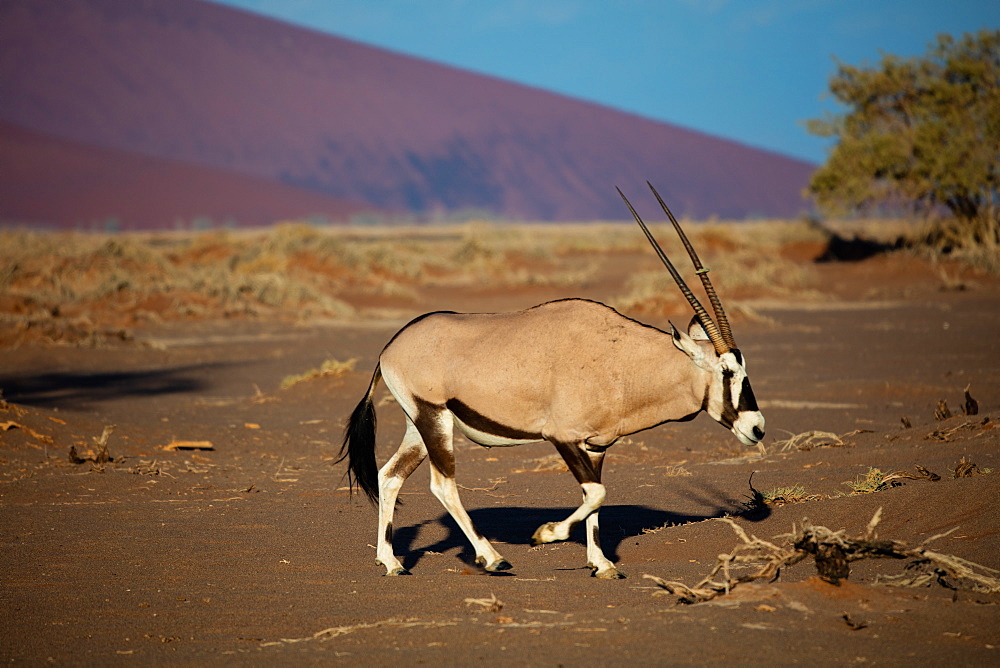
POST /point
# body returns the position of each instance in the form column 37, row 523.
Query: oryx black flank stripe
column 430, row 431
column 434, row 439
column 483, row 424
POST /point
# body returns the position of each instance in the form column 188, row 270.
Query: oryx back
column 569, row 370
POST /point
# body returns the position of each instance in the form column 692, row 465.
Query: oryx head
column 729, row 397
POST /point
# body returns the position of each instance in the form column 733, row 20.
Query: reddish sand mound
column 65, row 184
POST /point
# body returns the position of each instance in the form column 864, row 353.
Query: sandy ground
column 253, row 552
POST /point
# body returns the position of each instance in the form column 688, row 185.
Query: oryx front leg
column 586, row 468
column 390, row 479
column 437, row 434
column 593, row 497
column 601, row 565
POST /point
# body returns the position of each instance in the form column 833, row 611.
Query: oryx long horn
column 720, row 314
column 699, row 310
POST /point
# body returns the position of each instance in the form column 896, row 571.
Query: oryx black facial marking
column 747, row 401
column 729, row 411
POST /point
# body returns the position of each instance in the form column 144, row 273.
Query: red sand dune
column 202, row 84
column 67, row 184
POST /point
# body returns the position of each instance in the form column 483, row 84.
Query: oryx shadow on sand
column 515, row 525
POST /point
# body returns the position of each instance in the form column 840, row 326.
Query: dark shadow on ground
column 79, row 391
column 855, row 249
column 515, row 525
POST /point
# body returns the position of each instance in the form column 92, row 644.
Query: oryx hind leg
column 586, row 468
column 436, row 426
column 391, row 477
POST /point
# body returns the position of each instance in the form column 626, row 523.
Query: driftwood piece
column 833, row 551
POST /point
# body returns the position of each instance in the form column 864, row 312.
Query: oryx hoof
column 500, row 564
column 394, row 570
column 545, row 534
column 609, row 573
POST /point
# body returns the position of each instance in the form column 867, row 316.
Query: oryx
column 572, row 372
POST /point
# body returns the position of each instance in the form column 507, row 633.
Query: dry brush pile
column 832, row 553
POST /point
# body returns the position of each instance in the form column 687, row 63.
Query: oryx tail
column 359, row 443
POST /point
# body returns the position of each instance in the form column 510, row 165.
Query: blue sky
column 746, row 70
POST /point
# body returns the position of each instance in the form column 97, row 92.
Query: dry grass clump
column 808, row 440
column 548, row 240
column 292, row 268
column 510, row 256
column 742, row 258
column 331, row 368
column 874, row 480
column 783, row 496
column 975, row 243
column 60, row 273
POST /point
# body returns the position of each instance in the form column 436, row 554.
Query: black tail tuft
column 359, row 446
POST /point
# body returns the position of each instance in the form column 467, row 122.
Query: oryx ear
column 696, row 331
column 687, row 345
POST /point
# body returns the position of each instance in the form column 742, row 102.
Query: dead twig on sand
column 337, row 631
column 496, row 483
column 969, row 406
column 750, row 550
column 100, row 455
column 832, row 552
column 491, row 604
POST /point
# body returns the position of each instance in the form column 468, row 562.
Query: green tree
column 922, row 133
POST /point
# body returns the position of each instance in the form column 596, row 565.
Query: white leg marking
column 446, row 490
column 603, row 568
column 593, row 497
column 408, row 457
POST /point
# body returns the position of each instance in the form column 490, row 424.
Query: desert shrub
column 921, row 134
